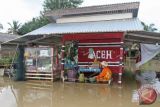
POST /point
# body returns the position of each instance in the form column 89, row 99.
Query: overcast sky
column 25, row 10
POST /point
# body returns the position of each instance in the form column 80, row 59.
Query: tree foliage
column 35, row 23
column 150, row 27
column 61, row 4
column 14, row 27
column 40, row 21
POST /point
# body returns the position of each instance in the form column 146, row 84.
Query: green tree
column 14, row 27
column 150, row 27
column 40, row 21
column 35, row 23
column 61, row 4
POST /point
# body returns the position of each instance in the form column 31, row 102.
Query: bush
column 5, row 60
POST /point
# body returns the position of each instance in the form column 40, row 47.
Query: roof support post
column 20, row 69
column 62, row 61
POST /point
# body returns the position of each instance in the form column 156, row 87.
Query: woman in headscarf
column 106, row 73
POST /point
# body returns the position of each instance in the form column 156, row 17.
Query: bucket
column 81, row 77
column 71, row 75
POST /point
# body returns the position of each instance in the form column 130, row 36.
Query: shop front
column 42, row 62
column 87, row 51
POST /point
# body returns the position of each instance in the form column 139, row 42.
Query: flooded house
column 72, row 46
column 6, row 51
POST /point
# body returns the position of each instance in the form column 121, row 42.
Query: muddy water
column 44, row 94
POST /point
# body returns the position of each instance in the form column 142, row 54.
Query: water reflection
column 155, row 86
column 44, row 94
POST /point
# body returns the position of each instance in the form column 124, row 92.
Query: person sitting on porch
column 106, row 73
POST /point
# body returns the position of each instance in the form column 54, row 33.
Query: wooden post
column 52, row 54
column 62, row 62
column 121, row 66
column 129, row 58
column 120, row 75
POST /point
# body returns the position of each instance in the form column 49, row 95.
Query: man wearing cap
column 106, row 73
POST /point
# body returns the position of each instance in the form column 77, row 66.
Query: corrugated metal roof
column 143, row 37
column 85, row 27
column 111, row 8
column 6, row 37
column 89, row 27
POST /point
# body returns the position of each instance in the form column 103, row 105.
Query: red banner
column 109, row 54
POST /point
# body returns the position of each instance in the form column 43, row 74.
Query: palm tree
column 14, row 27
column 150, row 27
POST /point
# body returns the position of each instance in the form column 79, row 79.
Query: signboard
column 44, row 53
column 109, row 54
column 29, row 61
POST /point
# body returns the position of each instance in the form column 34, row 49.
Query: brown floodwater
column 57, row 94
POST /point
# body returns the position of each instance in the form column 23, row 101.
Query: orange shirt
column 105, row 74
